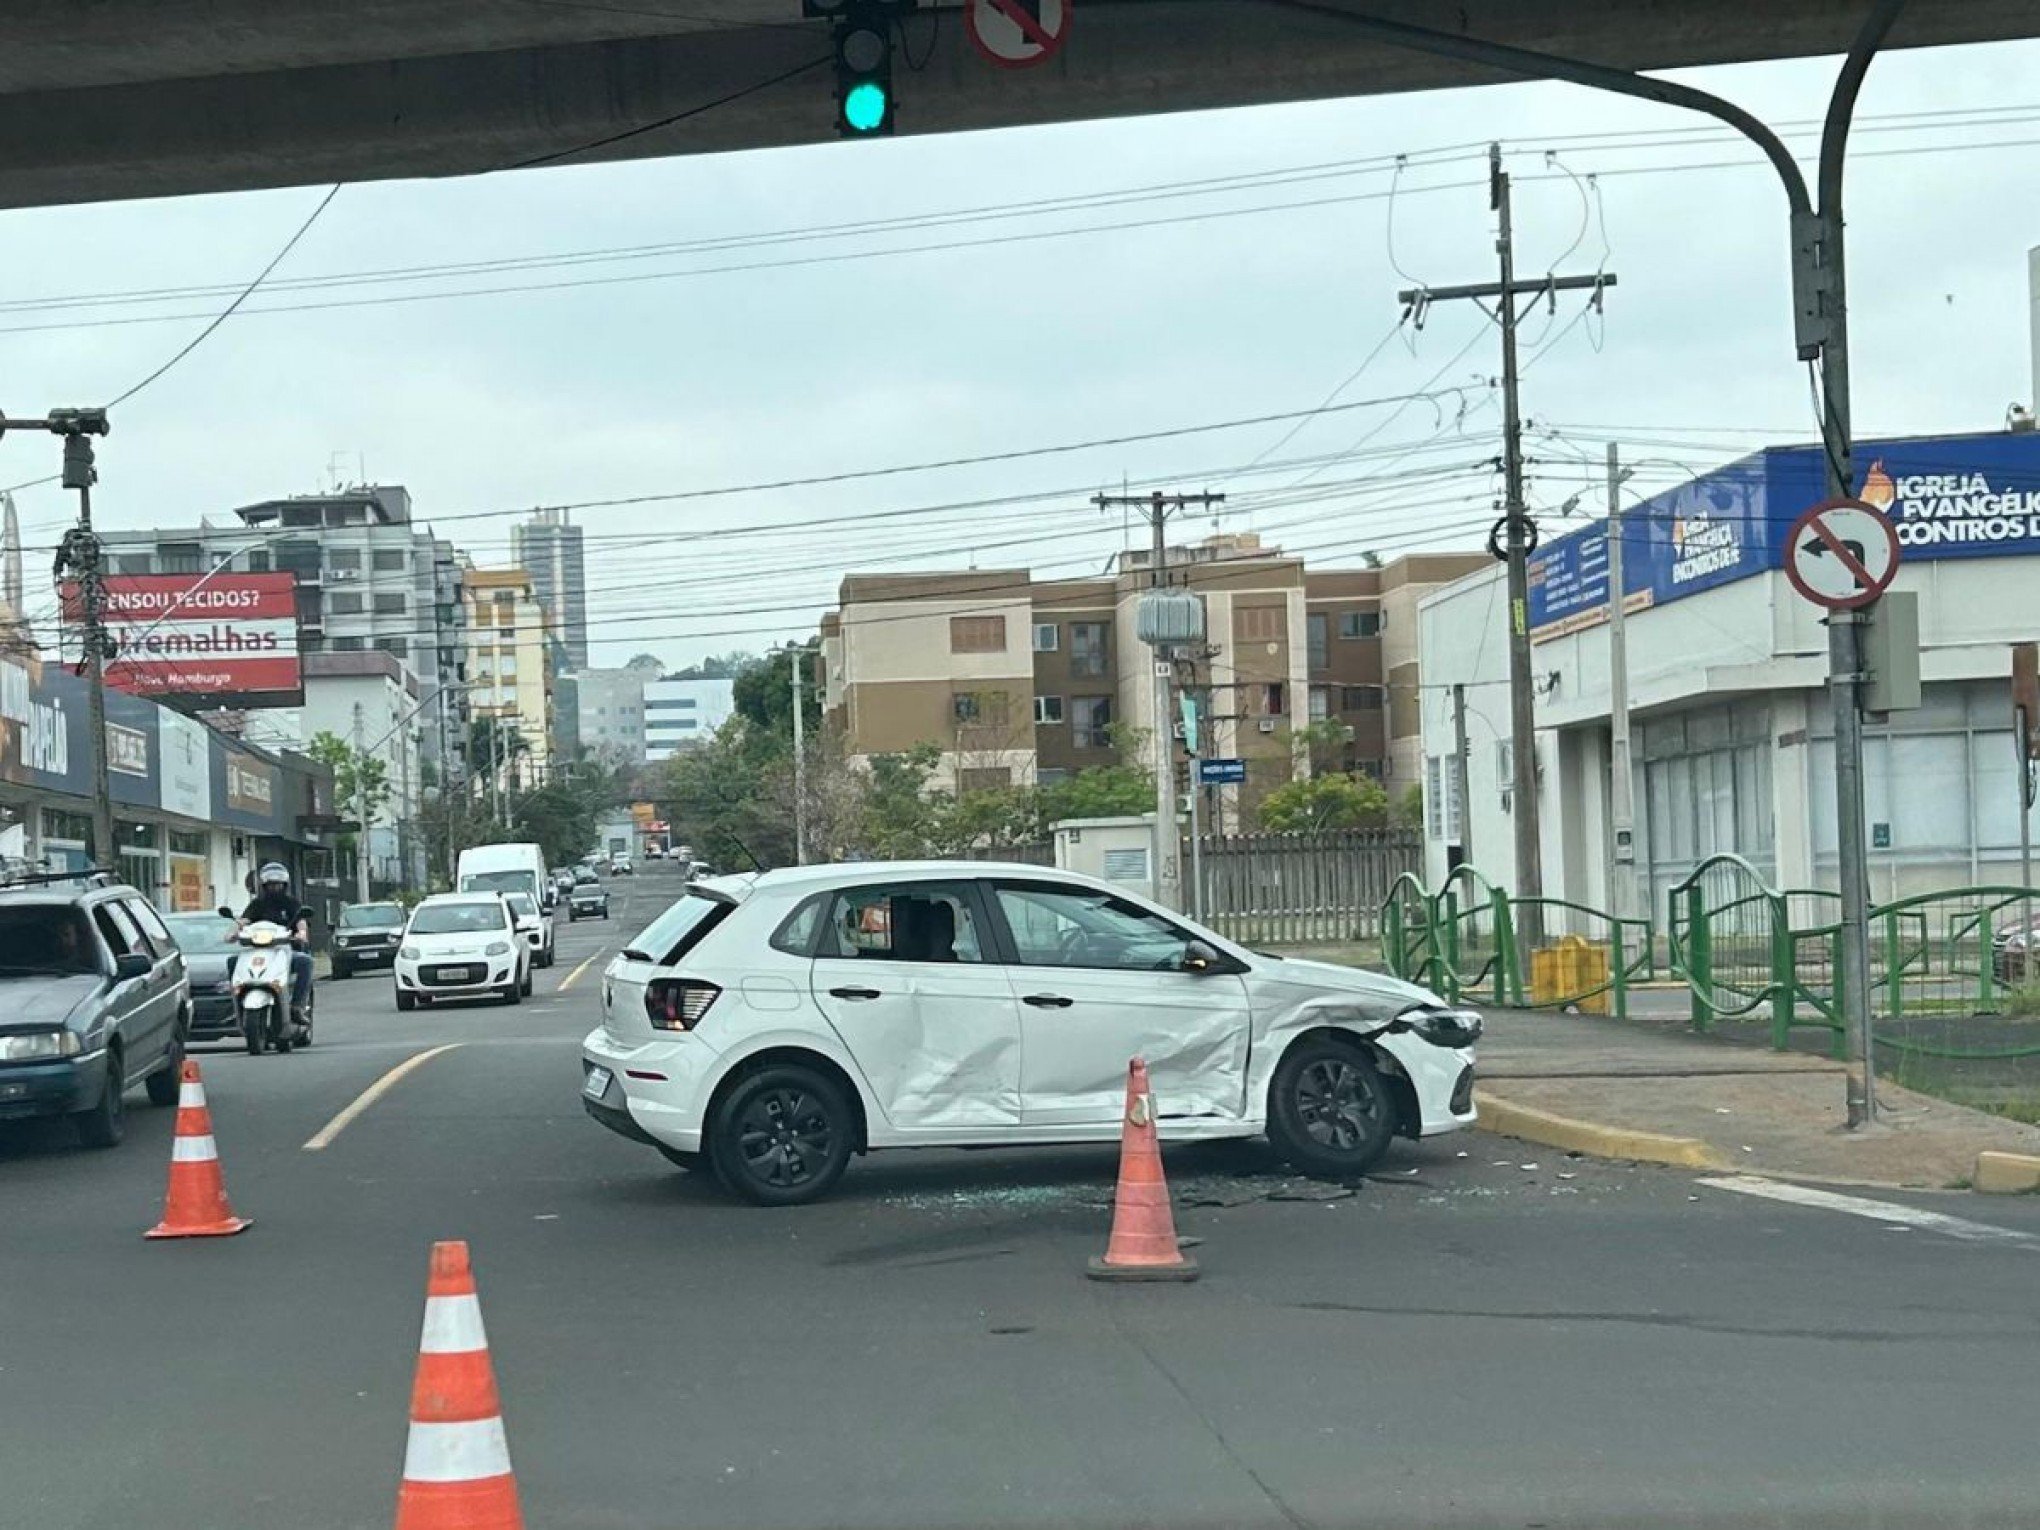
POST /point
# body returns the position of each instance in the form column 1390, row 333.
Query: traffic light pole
column 1821, row 332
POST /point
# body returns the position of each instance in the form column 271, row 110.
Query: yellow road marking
column 568, row 981
column 372, row 1093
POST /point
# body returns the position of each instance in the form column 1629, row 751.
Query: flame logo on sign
column 1878, row 489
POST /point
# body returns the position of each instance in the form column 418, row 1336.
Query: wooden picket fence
column 1303, row 889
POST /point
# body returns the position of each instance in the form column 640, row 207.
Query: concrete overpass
column 131, row 98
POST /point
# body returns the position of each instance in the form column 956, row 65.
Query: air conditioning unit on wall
column 1266, row 725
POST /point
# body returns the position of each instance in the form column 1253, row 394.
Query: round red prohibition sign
column 1018, row 34
column 1841, row 554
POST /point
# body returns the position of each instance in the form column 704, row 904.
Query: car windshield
column 496, row 881
column 457, row 918
column 370, row 916
column 45, row 938
column 198, row 932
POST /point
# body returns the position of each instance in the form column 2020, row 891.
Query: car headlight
column 497, row 948
column 409, row 953
column 1442, row 1025
column 37, row 1046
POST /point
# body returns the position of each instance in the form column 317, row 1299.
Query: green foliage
column 1408, row 810
column 361, row 780
column 717, row 666
column 763, row 697
column 1319, row 804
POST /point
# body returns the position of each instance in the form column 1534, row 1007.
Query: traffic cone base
column 196, row 1204
column 1143, row 1244
column 456, row 1460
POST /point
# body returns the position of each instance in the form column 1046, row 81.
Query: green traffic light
column 864, row 106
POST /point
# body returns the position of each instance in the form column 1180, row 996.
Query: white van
column 513, row 868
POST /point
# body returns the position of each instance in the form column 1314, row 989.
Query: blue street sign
column 1221, row 772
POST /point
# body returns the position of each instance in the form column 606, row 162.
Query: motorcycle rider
column 275, row 903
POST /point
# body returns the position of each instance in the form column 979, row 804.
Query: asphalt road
column 1502, row 1338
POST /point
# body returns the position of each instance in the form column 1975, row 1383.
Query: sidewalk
column 1638, row 1089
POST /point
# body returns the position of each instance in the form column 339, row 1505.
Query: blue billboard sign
column 1948, row 497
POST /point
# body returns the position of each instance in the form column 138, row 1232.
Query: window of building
column 1359, row 624
column 1087, row 648
column 349, row 644
column 1272, row 698
column 133, row 563
column 401, row 647
column 979, row 707
column 344, row 603
column 1320, row 703
column 1053, row 775
column 344, row 558
column 1091, row 722
column 1048, row 709
column 1045, row 635
column 1360, row 698
column 984, row 778
column 391, row 604
column 258, row 562
column 1260, row 624
column 1318, row 627
column 977, row 634
column 391, row 560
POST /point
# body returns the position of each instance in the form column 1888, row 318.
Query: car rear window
column 679, row 930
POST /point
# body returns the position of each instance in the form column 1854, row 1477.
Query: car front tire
column 782, row 1136
column 105, row 1122
column 1330, row 1112
column 406, row 1000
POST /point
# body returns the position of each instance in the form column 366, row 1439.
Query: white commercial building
column 1732, row 742
column 610, row 711
column 681, row 714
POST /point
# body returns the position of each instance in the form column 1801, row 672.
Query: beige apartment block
column 509, row 669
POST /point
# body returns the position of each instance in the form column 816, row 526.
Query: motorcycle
column 261, row 985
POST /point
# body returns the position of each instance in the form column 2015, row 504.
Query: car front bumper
column 1440, row 1077
column 501, row 970
column 51, row 1088
column 212, row 1016
column 366, row 956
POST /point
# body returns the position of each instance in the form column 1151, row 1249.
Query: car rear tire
column 1330, row 1112
column 406, row 1000
column 105, row 1122
column 782, row 1136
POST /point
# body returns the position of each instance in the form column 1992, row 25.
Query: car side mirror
column 224, row 912
column 1200, row 958
column 131, row 964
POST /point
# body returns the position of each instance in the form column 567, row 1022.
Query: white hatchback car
column 773, row 1024
column 462, row 946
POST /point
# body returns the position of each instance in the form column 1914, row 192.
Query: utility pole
column 361, row 891
column 1168, row 850
column 1464, row 807
column 1621, row 784
column 795, row 658
column 1513, row 535
column 80, row 557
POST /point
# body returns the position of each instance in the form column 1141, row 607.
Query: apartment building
column 1021, row 680
column 548, row 547
column 369, row 579
column 684, row 714
column 509, row 667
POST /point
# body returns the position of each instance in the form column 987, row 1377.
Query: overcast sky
column 701, row 381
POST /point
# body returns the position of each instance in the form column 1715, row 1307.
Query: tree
column 1408, row 811
column 1321, row 746
column 361, row 780
column 717, row 666
column 1319, row 804
column 1370, row 559
column 763, row 697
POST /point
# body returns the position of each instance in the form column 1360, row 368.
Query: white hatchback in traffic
column 462, row 946
column 773, row 1024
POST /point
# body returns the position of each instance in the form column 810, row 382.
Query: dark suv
column 367, row 936
column 93, row 999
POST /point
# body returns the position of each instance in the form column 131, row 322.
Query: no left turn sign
column 1841, row 554
column 1016, row 34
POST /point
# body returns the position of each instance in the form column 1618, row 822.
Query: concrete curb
column 1592, row 1137
column 2005, row 1173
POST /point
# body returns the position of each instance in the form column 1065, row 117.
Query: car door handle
column 1048, row 1001
column 853, row 993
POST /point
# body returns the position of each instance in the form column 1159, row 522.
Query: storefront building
column 1732, row 734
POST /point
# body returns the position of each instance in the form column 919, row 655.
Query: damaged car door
column 1100, row 980
column 905, row 977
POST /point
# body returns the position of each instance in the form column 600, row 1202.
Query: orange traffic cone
column 457, row 1462
column 196, row 1205
column 1143, row 1244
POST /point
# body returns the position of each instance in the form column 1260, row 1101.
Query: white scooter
column 261, row 984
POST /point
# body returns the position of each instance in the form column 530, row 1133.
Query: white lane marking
column 1877, row 1211
column 193, row 1150
column 568, row 981
column 460, row 1452
column 453, row 1326
column 371, row 1094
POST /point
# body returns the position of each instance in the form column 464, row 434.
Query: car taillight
column 677, row 1004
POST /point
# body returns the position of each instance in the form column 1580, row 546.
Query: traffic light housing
column 862, row 39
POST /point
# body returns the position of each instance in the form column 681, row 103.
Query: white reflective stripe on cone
column 189, row 1095
column 464, row 1452
column 453, row 1326
column 192, row 1150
